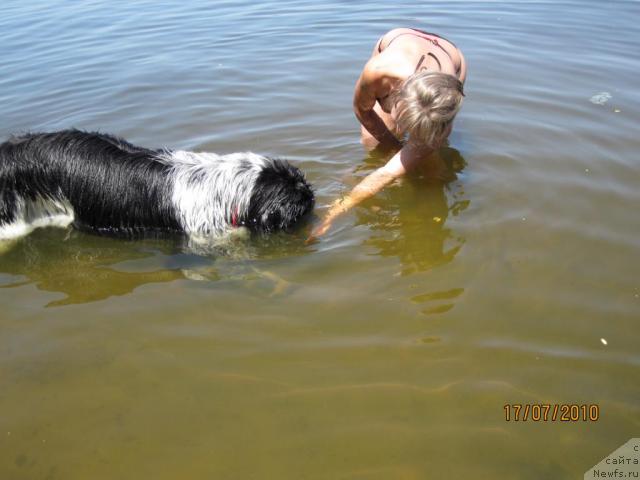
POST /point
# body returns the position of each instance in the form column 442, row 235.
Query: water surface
column 388, row 349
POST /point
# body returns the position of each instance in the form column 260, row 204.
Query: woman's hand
column 337, row 207
column 318, row 231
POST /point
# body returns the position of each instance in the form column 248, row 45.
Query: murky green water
column 386, row 351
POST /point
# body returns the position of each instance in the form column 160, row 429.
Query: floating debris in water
column 616, row 110
column 604, row 342
column 586, row 170
column 600, row 98
column 430, row 339
column 437, row 219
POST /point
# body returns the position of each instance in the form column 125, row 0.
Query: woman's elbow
column 359, row 112
column 360, row 108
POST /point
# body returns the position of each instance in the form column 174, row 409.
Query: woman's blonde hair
column 426, row 104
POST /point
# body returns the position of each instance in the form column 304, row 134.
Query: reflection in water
column 409, row 222
column 89, row 268
column 79, row 265
column 444, row 295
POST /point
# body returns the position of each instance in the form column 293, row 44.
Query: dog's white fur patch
column 37, row 213
column 205, row 196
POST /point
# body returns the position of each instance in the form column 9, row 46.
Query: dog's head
column 280, row 198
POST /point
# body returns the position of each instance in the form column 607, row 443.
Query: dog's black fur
column 114, row 186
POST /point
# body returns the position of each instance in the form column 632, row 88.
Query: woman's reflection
column 410, row 222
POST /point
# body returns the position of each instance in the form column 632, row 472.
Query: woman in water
column 411, row 86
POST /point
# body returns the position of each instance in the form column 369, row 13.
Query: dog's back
column 105, row 184
column 97, row 181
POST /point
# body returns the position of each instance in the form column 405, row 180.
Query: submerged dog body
column 102, row 183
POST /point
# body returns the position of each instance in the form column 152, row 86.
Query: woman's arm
column 372, row 184
column 402, row 162
column 372, row 82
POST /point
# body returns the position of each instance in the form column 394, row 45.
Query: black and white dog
column 102, row 183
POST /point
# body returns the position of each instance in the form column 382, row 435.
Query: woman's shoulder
column 391, row 34
column 382, row 68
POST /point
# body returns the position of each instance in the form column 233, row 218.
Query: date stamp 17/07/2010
column 551, row 412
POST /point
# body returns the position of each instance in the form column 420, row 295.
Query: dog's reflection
column 88, row 268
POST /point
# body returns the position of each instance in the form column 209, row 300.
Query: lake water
column 509, row 274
